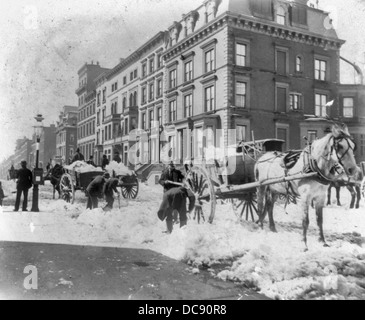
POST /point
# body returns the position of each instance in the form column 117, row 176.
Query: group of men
column 174, row 200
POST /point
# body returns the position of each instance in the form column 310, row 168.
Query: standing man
column 105, row 161
column 95, row 190
column 171, row 174
column 174, row 200
column 109, row 188
column 78, row 156
column 23, row 184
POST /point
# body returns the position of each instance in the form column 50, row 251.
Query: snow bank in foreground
column 274, row 263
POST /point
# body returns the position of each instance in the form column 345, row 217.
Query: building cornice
column 254, row 25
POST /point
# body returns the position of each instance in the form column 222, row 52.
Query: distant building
column 86, row 133
column 66, row 141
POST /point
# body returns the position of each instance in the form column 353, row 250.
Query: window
column 144, row 95
column 172, row 79
column 241, row 89
column 210, row 60
column 98, row 98
column 209, row 98
column 241, row 54
column 159, row 115
column 131, row 100
column 126, row 126
column 240, row 133
column 172, row 111
column 188, row 105
column 124, row 103
column 159, row 60
column 320, row 72
column 135, row 74
column 144, row 70
column 209, row 136
column 295, row 101
column 151, row 118
column 280, row 16
column 104, row 95
column 131, row 76
column 124, row 80
column 299, row 64
column 135, row 99
column 312, row 135
column 281, row 99
column 152, row 91
column 188, row 71
column 143, row 120
column 159, row 87
column 152, row 65
column 281, row 62
column 320, row 105
column 348, row 107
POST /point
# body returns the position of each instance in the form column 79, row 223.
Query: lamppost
column 37, row 173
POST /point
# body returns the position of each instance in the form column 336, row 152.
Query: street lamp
column 37, row 175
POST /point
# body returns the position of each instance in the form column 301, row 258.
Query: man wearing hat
column 171, row 174
column 117, row 157
column 95, row 190
column 78, row 156
column 23, row 184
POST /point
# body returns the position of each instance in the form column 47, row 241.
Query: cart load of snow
column 119, row 169
column 82, row 166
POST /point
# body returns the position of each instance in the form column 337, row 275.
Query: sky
column 44, row 43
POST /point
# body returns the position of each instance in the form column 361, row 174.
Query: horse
column 54, row 175
column 328, row 159
column 352, row 187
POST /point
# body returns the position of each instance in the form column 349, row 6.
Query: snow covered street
column 274, row 263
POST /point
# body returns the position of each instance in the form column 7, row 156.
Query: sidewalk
column 84, row 272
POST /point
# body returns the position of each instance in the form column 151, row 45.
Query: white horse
column 331, row 157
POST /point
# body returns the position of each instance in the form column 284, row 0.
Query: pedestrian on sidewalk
column 2, row 195
column 175, row 200
column 95, row 190
column 110, row 188
column 23, row 184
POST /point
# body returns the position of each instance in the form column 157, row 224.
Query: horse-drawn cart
column 233, row 180
column 76, row 178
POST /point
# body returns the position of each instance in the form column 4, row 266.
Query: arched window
column 280, row 15
column 299, row 64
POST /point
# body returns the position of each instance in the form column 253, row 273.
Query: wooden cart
column 220, row 182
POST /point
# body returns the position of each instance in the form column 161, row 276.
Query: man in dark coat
column 117, row 157
column 91, row 161
column 109, row 188
column 175, row 199
column 78, row 156
column 95, row 190
column 105, row 161
column 24, row 183
column 171, row 174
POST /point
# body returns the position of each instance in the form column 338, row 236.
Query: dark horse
column 353, row 188
column 54, row 175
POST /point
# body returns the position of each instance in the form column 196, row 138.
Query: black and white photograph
column 195, row 151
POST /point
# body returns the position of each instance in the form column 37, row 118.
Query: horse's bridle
column 313, row 163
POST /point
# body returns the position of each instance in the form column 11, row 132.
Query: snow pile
column 119, row 168
column 274, row 263
column 82, row 166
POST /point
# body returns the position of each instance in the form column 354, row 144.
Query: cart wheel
column 362, row 188
column 247, row 206
column 67, row 188
column 199, row 183
column 130, row 192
